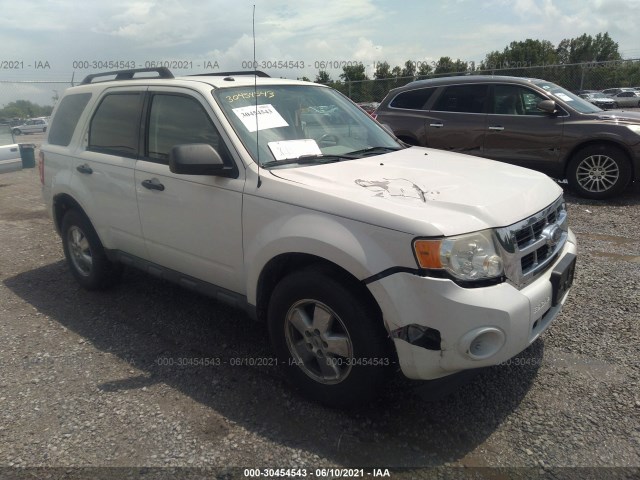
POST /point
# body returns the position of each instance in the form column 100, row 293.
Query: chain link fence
column 574, row 77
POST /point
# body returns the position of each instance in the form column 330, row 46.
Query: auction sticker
column 267, row 117
column 294, row 148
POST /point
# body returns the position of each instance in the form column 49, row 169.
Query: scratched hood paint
column 420, row 191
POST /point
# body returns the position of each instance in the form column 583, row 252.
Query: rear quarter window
column 412, row 99
column 66, row 118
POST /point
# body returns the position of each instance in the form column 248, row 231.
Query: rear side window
column 463, row 99
column 66, row 119
column 413, row 99
column 115, row 125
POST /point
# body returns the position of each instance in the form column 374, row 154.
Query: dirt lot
column 118, row 378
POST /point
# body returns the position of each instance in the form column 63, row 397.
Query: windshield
column 570, row 99
column 301, row 122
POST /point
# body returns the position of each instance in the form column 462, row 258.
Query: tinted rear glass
column 462, row 98
column 67, row 116
column 413, row 99
column 115, row 125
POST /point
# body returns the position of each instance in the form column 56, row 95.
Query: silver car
column 34, row 125
column 626, row 99
column 10, row 159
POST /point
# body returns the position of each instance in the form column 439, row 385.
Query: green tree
column 448, row 65
column 409, row 69
column 425, row 70
column 521, row 54
column 353, row 73
column 25, row 109
column 586, row 48
column 383, row 70
column 323, row 77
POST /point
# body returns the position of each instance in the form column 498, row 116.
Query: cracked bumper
column 512, row 318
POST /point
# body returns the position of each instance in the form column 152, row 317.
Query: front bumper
column 507, row 319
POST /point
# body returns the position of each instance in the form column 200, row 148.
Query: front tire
column 330, row 341
column 599, row 171
column 85, row 254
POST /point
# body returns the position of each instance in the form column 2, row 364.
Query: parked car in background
column 626, row 99
column 10, row 159
column 34, row 125
column 529, row 122
column 369, row 107
column 600, row 100
column 614, row 91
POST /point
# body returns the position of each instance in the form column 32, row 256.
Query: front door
column 192, row 224
column 519, row 133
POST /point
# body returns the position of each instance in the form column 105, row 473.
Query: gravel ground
column 119, row 378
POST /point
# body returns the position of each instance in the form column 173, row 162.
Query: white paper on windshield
column 564, row 96
column 268, row 117
column 294, row 148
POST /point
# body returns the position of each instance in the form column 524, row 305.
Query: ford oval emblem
column 553, row 234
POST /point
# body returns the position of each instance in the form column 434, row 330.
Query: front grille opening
column 523, row 237
column 527, row 262
column 527, row 250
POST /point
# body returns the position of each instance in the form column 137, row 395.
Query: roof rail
column 257, row 73
column 162, row 72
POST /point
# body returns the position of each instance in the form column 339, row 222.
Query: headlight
column 466, row 257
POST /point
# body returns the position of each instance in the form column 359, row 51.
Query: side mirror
column 548, row 106
column 199, row 159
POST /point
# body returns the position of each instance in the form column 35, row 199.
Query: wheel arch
column 62, row 203
column 282, row 265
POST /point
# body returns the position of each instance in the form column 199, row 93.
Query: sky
column 61, row 40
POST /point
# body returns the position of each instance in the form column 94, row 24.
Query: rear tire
column 331, row 343
column 599, row 171
column 85, row 254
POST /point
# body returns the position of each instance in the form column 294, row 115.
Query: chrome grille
column 529, row 246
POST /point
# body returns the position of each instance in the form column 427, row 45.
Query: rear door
column 456, row 120
column 103, row 170
column 521, row 134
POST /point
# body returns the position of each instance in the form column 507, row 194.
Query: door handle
column 436, row 125
column 496, row 129
column 84, row 169
column 153, row 184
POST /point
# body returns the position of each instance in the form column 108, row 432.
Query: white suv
column 285, row 198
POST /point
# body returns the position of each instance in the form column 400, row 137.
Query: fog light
column 482, row 343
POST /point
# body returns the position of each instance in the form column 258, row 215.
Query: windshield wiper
column 307, row 159
column 373, row 151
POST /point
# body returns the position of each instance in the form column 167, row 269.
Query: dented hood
column 419, row 191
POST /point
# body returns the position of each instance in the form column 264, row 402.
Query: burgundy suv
column 524, row 121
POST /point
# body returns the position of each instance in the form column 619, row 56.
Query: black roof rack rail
column 163, row 72
column 257, row 73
